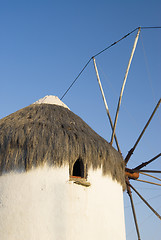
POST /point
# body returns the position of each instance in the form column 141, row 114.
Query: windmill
column 131, row 174
column 47, row 132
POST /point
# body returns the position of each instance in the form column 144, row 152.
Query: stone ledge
column 80, row 181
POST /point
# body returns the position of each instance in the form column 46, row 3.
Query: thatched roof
column 54, row 135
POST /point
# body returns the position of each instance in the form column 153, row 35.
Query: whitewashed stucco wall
column 43, row 205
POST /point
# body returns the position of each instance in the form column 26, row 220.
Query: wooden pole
column 148, row 182
column 140, row 171
column 146, row 163
column 148, row 175
column 148, row 171
column 132, row 149
column 157, row 214
column 123, row 86
column 105, row 102
column 133, row 208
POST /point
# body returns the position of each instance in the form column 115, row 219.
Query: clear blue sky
column 44, row 45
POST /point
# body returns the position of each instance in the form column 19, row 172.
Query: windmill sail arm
column 141, row 171
column 148, row 171
column 140, row 136
column 124, row 82
column 148, row 175
column 133, row 208
column 157, row 214
column 146, row 163
column 105, row 102
column 140, row 180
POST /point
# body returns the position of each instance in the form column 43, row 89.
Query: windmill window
column 78, row 169
column 79, row 173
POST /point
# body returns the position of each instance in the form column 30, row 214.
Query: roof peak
column 50, row 99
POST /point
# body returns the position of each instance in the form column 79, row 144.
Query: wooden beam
column 140, row 136
column 157, row 214
column 146, row 163
column 133, row 208
column 148, row 182
column 149, row 175
column 105, row 102
column 123, row 85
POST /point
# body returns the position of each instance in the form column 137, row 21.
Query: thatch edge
column 36, row 121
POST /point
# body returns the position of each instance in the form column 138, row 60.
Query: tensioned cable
column 149, row 216
column 148, row 73
column 115, row 43
column 147, row 69
column 76, row 79
column 150, row 27
column 91, row 59
column 102, row 52
column 115, row 94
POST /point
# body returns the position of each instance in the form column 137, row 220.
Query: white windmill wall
column 50, row 99
column 43, row 204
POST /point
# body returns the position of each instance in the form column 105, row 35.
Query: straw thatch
column 54, row 135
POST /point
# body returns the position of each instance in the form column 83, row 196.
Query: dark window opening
column 78, row 169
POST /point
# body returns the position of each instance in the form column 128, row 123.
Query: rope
column 149, row 216
column 102, row 52
column 91, row 59
column 115, row 94
column 115, row 43
column 76, row 79
column 142, row 223
column 148, row 73
column 150, row 27
column 147, row 69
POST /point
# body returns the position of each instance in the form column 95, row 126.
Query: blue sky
column 45, row 44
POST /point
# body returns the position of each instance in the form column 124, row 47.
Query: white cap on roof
column 50, row 99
